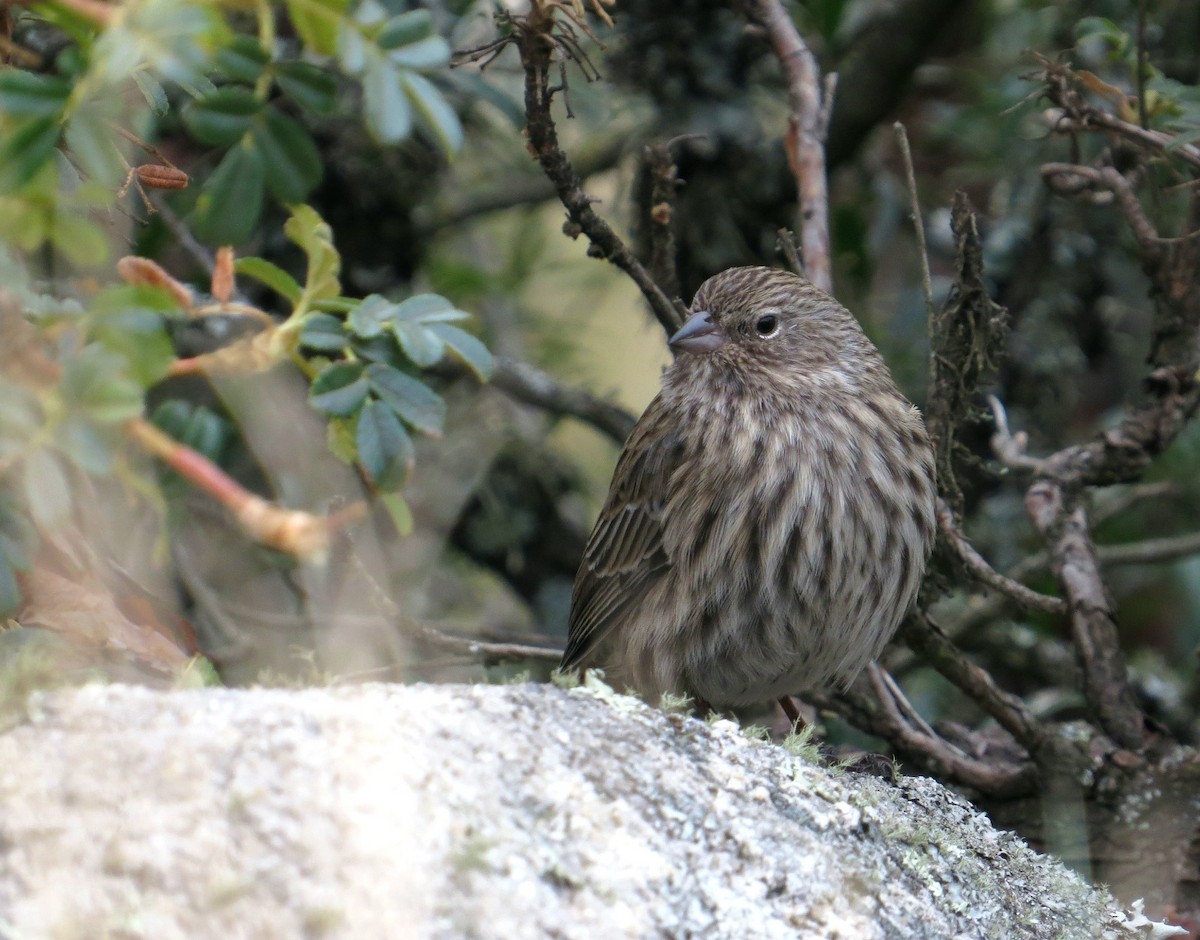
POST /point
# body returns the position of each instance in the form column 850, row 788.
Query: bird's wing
column 624, row 557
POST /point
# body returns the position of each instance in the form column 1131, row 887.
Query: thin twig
column 1150, row 551
column 915, row 207
column 534, row 387
column 977, row 566
column 805, row 142
column 538, row 50
column 927, row 639
column 484, row 648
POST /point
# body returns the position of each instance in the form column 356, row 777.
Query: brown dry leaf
column 83, row 609
column 135, row 270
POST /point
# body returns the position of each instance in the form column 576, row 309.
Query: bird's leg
column 797, row 722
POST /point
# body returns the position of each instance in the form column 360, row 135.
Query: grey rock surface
column 482, row 811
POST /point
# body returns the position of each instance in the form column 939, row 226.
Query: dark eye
column 767, row 326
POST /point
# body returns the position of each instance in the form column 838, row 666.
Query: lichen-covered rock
column 506, row 812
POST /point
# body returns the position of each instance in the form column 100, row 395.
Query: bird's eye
column 767, row 326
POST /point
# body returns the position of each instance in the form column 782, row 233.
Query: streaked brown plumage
column 771, row 514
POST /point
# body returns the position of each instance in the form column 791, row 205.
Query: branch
column 534, row 387
column 928, row 640
column 538, row 48
column 976, row 565
column 805, row 142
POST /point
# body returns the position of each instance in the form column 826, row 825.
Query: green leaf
column 195, row 426
column 397, row 507
column 243, row 60
column 387, row 109
column 430, row 53
column 94, row 385
column 405, row 28
column 317, row 22
column 137, row 334
column 24, row 94
column 10, row 591
column 291, row 157
column 412, row 400
column 309, row 86
column 324, row 333
column 270, row 274
column 340, row 389
column 427, row 308
column 89, row 446
column 308, row 230
column 369, row 318
column 230, row 202
column 435, row 111
column 90, row 138
column 152, row 91
column 26, row 151
column 20, row 418
column 80, row 239
column 339, row 438
column 384, row 447
column 220, row 119
column 419, row 344
column 46, row 489
column 467, row 348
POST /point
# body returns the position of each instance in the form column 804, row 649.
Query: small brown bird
column 770, row 516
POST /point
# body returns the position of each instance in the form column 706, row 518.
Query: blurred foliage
column 375, row 193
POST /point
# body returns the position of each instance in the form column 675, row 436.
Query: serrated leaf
column 369, row 318
column 419, row 344
column 46, row 489
column 89, row 446
column 384, row 448
column 432, row 52
column 94, row 385
column 324, row 333
column 230, row 202
column 339, row 438
column 137, row 334
column 291, row 157
column 386, row 107
column 26, row 150
column 152, row 91
column 220, row 119
column 435, row 111
column 25, row 94
column 468, row 348
column 397, row 507
column 317, row 22
column 308, row 230
column 405, row 28
column 427, row 308
column 411, row 399
column 243, row 60
column 194, row 426
column 310, row 87
column 270, row 274
column 340, row 389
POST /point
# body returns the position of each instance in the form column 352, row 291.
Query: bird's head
column 753, row 319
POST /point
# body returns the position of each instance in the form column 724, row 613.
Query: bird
column 771, row 513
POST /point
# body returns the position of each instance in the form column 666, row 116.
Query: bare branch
column 805, row 142
column 976, row 565
column 534, row 387
column 915, row 209
column 1062, row 522
column 538, row 50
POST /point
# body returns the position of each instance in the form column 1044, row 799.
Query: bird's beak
column 701, row 334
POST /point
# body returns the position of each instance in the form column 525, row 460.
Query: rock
column 483, row 811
